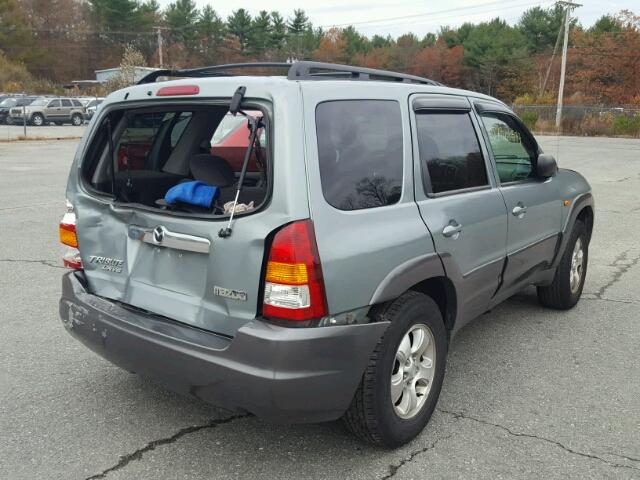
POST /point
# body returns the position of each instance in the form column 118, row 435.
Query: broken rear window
column 154, row 150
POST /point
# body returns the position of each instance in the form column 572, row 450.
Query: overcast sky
column 418, row 16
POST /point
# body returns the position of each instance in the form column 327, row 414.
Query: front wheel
column 401, row 385
column 37, row 119
column 568, row 282
column 77, row 120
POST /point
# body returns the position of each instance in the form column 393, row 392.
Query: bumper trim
column 286, row 375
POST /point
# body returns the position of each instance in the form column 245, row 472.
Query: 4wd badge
column 228, row 293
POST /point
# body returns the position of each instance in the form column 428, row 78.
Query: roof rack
column 302, row 70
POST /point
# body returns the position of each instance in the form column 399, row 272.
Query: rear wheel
column 568, row 282
column 400, row 386
column 37, row 119
column 77, row 120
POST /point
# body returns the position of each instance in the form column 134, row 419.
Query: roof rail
column 212, row 71
column 326, row 71
column 303, row 70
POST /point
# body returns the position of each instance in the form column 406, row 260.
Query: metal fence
column 623, row 120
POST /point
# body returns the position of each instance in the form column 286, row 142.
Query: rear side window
column 360, row 153
column 66, row 103
column 450, row 154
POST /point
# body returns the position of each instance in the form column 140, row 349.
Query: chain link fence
column 583, row 120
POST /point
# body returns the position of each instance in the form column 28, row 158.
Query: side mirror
column 546, row 166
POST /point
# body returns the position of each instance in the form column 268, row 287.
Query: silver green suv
column 304, row 247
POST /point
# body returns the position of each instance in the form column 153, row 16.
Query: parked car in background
column 10, row 102
column 44, row 110
column 92, row 106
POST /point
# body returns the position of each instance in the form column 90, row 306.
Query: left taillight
column 294, row 286
column 68, row 237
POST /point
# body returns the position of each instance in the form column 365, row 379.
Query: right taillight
column 294, row 287
column 68, row 237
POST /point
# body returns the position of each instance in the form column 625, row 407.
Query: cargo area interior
column 154, row 149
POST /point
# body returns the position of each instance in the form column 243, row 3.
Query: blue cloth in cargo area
column 192, row 193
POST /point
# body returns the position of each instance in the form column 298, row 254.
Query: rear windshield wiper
column 254, row 124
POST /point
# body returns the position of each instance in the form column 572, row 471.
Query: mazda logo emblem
column 158, row 234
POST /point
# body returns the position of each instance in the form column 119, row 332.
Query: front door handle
column 452, row 230
column 519, row 210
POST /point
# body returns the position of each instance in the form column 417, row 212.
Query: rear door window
column 66, row 103
column 450, row 154
column 360, row 153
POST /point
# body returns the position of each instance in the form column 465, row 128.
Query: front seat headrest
column 212, row 170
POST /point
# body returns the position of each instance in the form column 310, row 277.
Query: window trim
column 402, row 157
column 424, row 170
column 481, row 108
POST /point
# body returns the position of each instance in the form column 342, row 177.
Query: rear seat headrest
column 212, row 170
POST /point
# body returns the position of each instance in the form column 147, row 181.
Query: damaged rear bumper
column 288, row 375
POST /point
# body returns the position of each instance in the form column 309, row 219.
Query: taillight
column 294, row 287
column 68, row 236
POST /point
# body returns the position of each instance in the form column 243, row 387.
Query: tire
column 560, row 294
column 37, row 119
column 77, row 120
column 372, row 415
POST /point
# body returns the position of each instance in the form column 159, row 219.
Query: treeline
column 65, row 40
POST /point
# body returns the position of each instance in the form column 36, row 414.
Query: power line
column 405, row 17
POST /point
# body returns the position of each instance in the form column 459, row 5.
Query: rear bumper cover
column 287, row 375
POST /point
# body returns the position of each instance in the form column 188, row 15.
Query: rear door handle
column 452, row 230
column 519, row 210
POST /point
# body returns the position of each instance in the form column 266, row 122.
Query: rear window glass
column 450, row 154
column 360, row 153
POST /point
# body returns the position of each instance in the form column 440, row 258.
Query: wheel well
column 442, row 291
column 586, row 217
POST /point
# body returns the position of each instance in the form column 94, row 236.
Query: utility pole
column 567, row 19
column 159, row 36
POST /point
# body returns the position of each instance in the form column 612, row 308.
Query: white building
column 105, row 75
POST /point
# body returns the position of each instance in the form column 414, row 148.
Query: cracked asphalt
column 529, row 392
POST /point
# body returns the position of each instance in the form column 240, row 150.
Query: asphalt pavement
column 53, row 132
column 529, row 392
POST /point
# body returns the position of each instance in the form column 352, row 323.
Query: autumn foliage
column 64, row 40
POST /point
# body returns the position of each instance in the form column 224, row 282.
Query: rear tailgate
column 215, row 288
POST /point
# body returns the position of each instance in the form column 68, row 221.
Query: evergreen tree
column 116, row 15
column 181, row 16
column 260, row 37
column 540, row 27
column 210, row 29
column 299, row 23
column 278, row 31
column 239, row 25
